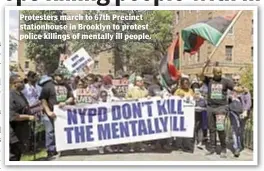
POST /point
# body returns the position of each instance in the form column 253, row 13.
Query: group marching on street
column 33, row 99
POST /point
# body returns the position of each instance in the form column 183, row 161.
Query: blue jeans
column 49, row 133
column 236, row 130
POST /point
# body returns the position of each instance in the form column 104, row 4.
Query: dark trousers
column 242, row 130
column 200, row 131
column 15, row 151
column 212, row 111
column 236, row 130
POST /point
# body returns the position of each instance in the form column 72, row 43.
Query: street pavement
column 198, row 155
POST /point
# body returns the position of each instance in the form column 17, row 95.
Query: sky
column 14, row 29
column 14, row 22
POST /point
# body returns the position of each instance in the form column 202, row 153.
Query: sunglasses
column 235, row 79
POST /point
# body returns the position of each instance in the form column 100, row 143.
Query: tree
column 247, row 78
column 131, row 53
column 12, row 47
column 45, row 50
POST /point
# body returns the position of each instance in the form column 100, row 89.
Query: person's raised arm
column 202, row 76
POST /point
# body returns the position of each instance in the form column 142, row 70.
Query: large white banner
column 104, row 124
column 76, row 62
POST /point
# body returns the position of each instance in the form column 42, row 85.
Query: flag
column 169, row 65
column 210, row 30
column 173, row 59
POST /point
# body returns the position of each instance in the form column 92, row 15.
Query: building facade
column 233, row 54
column 24, row 64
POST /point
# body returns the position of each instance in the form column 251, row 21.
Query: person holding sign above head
column 19, row 118
column 54, row 92
column 217, row 106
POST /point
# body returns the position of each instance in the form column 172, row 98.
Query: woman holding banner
column 186, row 144
column 137, row 92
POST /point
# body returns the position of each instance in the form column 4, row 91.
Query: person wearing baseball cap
column 54, row 92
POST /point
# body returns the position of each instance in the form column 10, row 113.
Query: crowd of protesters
column 213, row 95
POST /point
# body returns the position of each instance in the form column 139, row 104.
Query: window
column 252, row 28
column 231, row 31
column 177, row 17
column 210, row 15
column 96, row 65
column 26, row 65
column 252, row 53
column 229, row 53
column 197, row 55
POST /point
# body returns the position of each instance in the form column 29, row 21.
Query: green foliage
column 12, row 48
column 247, row 78
column 136, row 55
column 45, row 49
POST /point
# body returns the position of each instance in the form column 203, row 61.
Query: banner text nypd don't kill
column 122, row 122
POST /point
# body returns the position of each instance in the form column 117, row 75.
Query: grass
column 30, row 157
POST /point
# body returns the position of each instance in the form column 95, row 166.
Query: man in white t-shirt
column 32, row 90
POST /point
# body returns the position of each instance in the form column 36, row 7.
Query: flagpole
column 225, row 33
column 180, row 51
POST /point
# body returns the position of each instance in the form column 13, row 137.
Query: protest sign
column 121, row 86
column 83, row 96
column 79, row 60
column 102, row 124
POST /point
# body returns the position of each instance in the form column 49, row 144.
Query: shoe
column 101, row 150
column 115, row 150
column 223, row 154
column 210, row 152
column 109, row 149
column 153, row 147
column 237, row 153
column 142, row 149
column 121, row 150
column 200, row 146
column 52, row 154
column 131, row 150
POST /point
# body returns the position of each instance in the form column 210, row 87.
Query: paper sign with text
column 76, row 62
column 103, row 124
column 121, row 86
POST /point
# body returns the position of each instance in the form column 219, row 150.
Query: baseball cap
column 138, row 78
